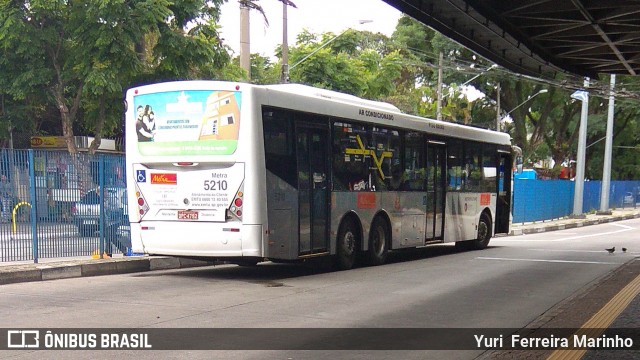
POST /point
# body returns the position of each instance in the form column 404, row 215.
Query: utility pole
column 245, row 47
column 439, row 104
column 582, row 149
column 498, row 107
column 285, row 46
column 606, row 168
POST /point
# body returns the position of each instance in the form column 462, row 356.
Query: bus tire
column 484, row 232
column 346, row 245
column 378, row 242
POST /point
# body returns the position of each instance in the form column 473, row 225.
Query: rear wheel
column 378, row 242
column 347, row 243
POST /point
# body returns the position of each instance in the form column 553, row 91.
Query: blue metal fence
column 537, row 200
column 50, row 205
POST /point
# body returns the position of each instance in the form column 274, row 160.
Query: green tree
column 81, row 55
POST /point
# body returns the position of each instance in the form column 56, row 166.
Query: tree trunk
column 95, row 144
column 67, row 120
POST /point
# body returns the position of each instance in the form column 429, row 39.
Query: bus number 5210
column 215, row 185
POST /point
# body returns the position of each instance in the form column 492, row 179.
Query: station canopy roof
column 540, row 37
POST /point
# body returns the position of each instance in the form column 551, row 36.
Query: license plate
column 91, row 222
column 187, row 215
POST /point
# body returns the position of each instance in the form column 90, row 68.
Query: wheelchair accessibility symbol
column 141, row 176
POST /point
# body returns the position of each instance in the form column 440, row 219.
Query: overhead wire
column 568, row 82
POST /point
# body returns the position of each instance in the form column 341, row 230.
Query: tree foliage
column 82, row 55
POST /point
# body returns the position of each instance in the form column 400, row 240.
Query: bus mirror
column 519, row 164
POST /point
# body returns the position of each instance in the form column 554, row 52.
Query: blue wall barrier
column 537, row 200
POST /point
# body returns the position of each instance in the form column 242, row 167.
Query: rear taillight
column 236, row 205
column 143, row 207
column 73, row 209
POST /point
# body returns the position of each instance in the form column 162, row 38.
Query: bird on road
column 611, row 250
column 624, row 250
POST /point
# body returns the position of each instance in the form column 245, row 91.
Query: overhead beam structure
column 540, row 37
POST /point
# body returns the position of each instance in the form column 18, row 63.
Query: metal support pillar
column 582, row 149
column 606, row 168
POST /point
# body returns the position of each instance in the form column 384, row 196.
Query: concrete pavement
column 593, row 301
column 571, row 222
column 52, row 269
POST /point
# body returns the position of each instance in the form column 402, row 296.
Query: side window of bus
column 455, row 163
column 489, row 169
column 472, row 167
column 415, row 172
column 350, row 160
column 278, row 145
column 386, row 164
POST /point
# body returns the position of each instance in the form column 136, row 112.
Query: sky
column 318, row 16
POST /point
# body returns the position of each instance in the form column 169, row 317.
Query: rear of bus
column 188, row 149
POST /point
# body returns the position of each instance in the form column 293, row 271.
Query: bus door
column 503, row 205
column 313, row 193
column 436, row 189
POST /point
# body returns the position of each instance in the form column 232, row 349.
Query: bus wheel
column 484, row 232
column 346, row 245
column 378, row 242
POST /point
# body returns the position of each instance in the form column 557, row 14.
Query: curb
column 545, row 228
column 66, row 270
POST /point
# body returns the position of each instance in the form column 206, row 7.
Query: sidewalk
column 568, row 223
column 64, row 268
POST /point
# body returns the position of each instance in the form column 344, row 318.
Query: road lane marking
column 560, row 250
column 622, row 226
column 520, row 239
column 595, row 326
column 549, row 261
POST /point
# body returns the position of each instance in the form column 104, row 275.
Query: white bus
column 247, row 173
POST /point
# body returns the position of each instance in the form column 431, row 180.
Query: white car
column 629, row 199
column 86, row 212
column 86, row 216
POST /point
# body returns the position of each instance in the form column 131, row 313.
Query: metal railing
column 50, row 205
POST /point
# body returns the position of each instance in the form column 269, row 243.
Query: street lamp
column 578, row 193
column 507, row 115
column 531, row 97
column 288, row 69
column 441, row 96
column 473, row 78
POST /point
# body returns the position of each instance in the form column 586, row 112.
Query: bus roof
column 343, row 106
column 332, row 95
column 349, row 107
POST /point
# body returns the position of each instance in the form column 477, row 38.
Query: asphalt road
column 509, row 285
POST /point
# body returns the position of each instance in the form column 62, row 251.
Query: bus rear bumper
column 196, row 239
